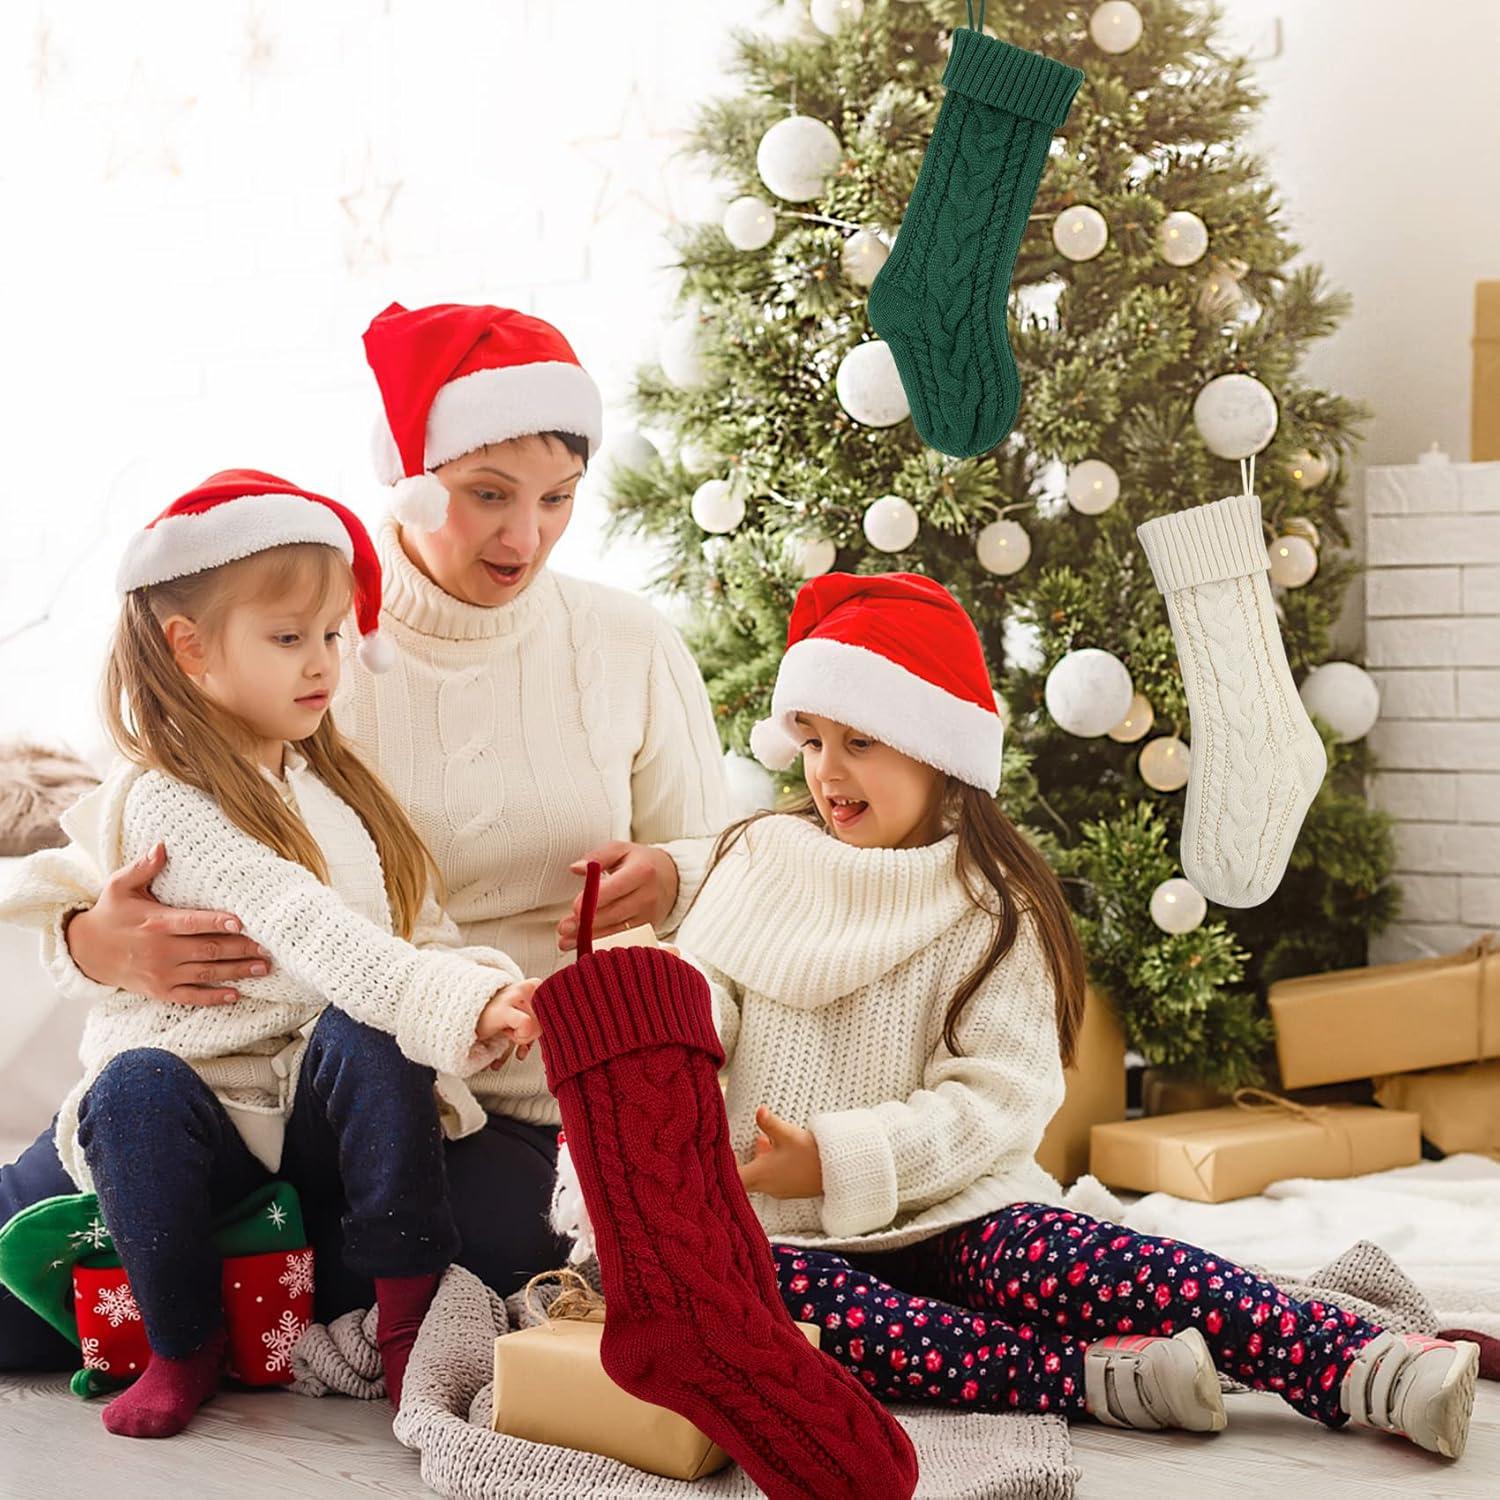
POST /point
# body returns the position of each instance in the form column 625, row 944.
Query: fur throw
column 37, row 785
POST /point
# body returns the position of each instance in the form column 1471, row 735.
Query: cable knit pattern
column 940, row 299
column 522, row 736
column 1257, row 761
column 831, row 969
column 328, row 943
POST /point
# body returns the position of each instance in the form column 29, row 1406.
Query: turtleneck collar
column 415, row 601
column 796, row 915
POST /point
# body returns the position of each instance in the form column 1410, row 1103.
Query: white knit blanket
column 1439, row 1221
column 445, row 1415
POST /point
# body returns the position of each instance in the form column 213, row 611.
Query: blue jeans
column 362, row 1149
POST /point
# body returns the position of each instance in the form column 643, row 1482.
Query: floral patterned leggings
column 997, row 1313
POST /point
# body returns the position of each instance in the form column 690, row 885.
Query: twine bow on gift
column 575, row 1300
column 1262, row 1101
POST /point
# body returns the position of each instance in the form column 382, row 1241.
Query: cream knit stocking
column 1257, row 760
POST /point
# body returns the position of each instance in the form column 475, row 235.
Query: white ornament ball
column 1178, row 906
column 1165, row 763
column 791, row 23
column 1003, row 547
column 631, row 451
column 868, row 385
column 752, row 788
column 831, row 16
column 718, row 506
column 750, row 223
column 891, row 524
column 1088, row 692
column 813, row 556
column 1344, row 697
column 797, row 156
column 1236, row 415
column 1093, row 486
column 1182, row 239
column 1136, row 724
column 1080, row 232
column 681, row 354
column 1116, row 26
column 1294, row 561
column 1307, row 470
column 864, row 254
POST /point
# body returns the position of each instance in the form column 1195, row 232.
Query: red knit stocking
column 632, row 1058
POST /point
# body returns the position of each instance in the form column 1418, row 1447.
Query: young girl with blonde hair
column 332, row 1070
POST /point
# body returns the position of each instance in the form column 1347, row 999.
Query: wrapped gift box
column 1095, row 1091
column 1213, row 1155
column 1484, row 438
column 1459, row 1107
column 550, row 1387
column 1394, row 1018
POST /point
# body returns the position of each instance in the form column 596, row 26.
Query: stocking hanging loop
column 590, row 906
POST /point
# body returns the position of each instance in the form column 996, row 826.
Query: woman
column 531, row 722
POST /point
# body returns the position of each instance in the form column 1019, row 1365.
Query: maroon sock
column 162, row 1402
column 403, row 1302
column 631, row 1056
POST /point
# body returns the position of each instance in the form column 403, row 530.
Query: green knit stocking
column 940, row 300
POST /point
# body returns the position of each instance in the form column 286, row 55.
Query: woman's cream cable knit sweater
column 329, row 944
column 833, row 967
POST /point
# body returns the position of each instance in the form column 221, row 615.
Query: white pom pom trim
column 772, row 746
column 569, row 1214
column 420, row 502
column 375, row 652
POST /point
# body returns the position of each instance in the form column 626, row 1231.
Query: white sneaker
column 1150, row 1381
column 1420, row 1388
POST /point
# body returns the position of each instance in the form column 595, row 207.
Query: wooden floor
column 247, row 1446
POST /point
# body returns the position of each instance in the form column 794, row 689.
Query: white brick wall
column 1432, row 605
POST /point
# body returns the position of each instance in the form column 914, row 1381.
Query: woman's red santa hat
column 239, row 512
column 895, row 656
column 453, row 378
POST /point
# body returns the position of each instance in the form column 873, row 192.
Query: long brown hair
column 159, row 718
column 1004, row 877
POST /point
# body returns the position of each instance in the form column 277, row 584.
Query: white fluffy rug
column 1439, row 1221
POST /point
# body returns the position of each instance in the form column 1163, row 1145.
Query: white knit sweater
column 329, row 944
column 832, row 969
column 516, row 738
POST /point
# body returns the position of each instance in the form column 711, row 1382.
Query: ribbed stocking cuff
column 1208, row 543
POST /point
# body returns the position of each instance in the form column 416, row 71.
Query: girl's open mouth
column 503, row 574
column 847, row 812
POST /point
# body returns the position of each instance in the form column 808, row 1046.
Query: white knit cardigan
column 329, row 944
column 832, row 968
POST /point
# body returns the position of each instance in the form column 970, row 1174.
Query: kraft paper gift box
column 1095, row 1091
column 1484, row 435
column 1393, row 1018
column 1459, row 1107
column 1213, row 1155
column 550, row 1387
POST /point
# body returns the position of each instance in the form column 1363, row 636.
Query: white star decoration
column 631, row 162
column 145, row 125
column 367, row 207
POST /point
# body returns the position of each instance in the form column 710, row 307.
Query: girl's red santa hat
column 895, row 656
column 453, row 378
column 239, row 512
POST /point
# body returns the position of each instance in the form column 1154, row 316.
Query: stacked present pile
column 1423, row 1036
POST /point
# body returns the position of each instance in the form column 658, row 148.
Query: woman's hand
column 638, row 884
column 786, row 1163
column 508, row 1014
column 130, row 941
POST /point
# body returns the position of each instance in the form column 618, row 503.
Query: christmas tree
column 1154, row 265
